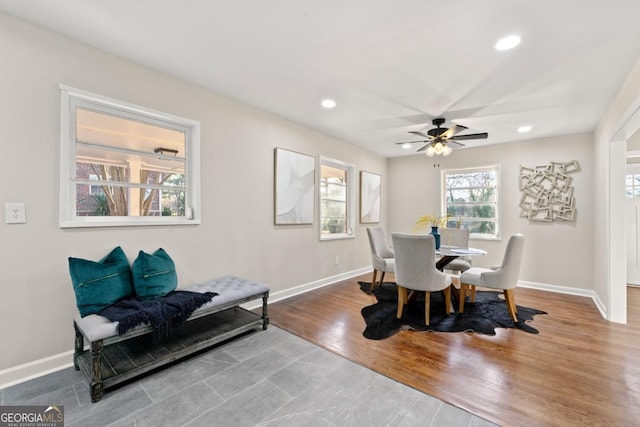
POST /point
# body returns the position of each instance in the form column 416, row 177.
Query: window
column 126, row 165
column 336, row 199
column 470, row 198
column 95, row 190
column 632, row 186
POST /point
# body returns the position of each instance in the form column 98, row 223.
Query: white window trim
column 351, row 199
column 67, row 214
column 443, row 196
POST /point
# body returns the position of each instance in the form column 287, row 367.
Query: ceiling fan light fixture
column 430, row 151
column 439, row 141
column 439, row 149
column 508, row 42
column 406, row 145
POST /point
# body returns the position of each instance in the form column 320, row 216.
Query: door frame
column 627, row 125
column 633, row 273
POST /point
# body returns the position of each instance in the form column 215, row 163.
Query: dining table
column 448, row 254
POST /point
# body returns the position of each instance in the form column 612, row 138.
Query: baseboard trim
column 569, row 291
column 306, row 287
column 37, row 368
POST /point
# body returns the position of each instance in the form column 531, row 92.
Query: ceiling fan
column 441, row 140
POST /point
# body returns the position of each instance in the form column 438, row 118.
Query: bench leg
column 78, row 347
column 96, row 385
column 265, row 316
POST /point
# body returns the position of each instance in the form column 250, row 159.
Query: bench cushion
column 228, row 288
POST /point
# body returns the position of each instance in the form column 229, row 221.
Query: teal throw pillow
column 154, row 275
column 100, row 284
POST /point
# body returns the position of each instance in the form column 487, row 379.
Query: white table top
column 458, row 251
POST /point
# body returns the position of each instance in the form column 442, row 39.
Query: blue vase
column 436, row 236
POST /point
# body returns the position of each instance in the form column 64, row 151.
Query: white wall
column 556, row 254
column 237, row 235
column 619, row 123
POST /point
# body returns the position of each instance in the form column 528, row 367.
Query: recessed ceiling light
column 328, row 103
column 525, row 129
column 406, row 145
column 508, row 42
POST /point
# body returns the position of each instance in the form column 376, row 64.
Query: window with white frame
column 632, row 187
column 470, row 198
column 95, row 190
column 126, row 165
column 336, row 199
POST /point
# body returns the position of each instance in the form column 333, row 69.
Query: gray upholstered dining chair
column 504, row 277
column 416, row 270
column 458, row 237
column 382, row 258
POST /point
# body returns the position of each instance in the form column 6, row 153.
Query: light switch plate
column 15, row 213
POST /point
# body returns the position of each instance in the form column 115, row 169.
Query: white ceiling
column 392, row 66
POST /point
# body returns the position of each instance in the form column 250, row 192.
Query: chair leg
column 510, row 299
column 447, row 299
column 402, row 299
column 473, row 293
column 373, row 281
column 463, row 295
column 455, row 279
column 382, row 278
column 427, row 303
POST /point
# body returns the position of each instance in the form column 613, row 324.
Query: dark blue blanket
column 163, row 314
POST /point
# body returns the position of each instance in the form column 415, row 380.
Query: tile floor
column 267, row 378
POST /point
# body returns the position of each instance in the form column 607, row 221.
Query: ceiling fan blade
column 423, row 148
column 424, row 135
column 410, row 142
column 454, row 144
column 452, row 131
column 483, row 135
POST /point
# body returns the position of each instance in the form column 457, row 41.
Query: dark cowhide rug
column 488, row 312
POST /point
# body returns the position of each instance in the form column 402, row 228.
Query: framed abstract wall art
column 369, row 197
column 294, row 187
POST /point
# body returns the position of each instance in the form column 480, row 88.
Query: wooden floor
column 580, row 370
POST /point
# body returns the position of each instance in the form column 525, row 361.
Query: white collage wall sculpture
column 547, row 192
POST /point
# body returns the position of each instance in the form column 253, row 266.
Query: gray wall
column 237, row 235
column 556, row 254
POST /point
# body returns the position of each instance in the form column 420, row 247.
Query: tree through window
column 124, row 162
column 470, row 199
column 133, row 162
